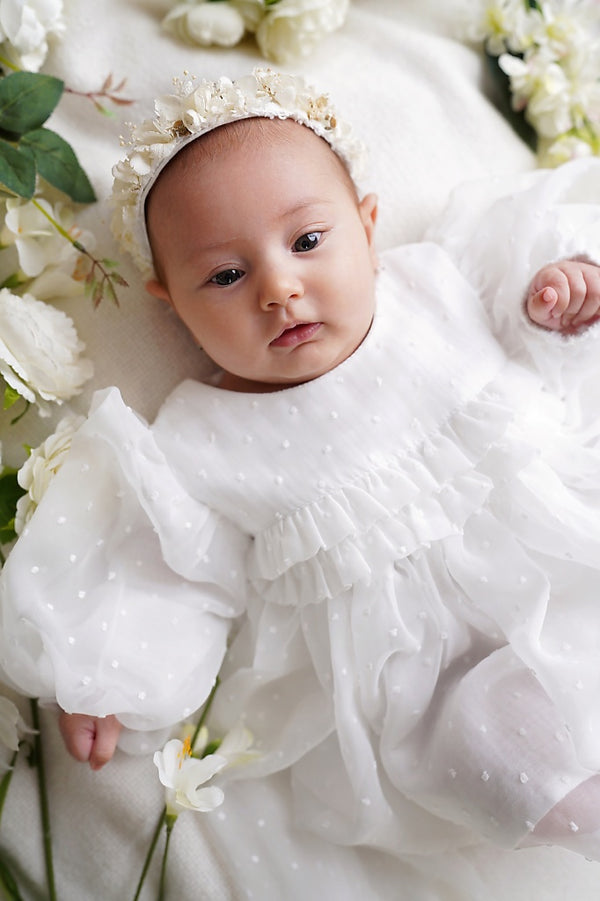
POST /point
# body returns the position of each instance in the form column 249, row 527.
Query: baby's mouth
column 295, row 334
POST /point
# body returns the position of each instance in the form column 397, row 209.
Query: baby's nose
column 279, row 286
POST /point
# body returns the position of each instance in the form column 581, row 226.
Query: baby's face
column 266, row 255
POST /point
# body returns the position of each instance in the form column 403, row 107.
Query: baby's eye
column 307, row 242
column 226, row 277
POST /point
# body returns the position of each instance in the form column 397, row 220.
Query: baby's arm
column 565, row 296
column 90, row 739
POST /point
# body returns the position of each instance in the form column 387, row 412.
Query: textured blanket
column 419, row 96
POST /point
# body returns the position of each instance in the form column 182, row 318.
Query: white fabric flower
column 41, row 466
column 205, row 23
column 196, row 107
column 57, row 268
column 236, row 747
column 251, row 11
column 11, row 724
column 541, row 87
column 566, row 147
column 501, row 24
column 184, row 776
column 24, row 29
column 40, row 352
column 292, row 28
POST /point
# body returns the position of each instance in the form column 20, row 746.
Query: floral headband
column 197, row 107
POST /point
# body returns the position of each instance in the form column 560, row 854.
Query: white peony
column 41, row 466
column 205, row 23
column 24, row 29
column 292, row 28
column 40, row 351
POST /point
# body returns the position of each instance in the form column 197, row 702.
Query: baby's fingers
column 546, row 306
column 108, row 730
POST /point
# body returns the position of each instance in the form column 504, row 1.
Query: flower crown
column 197, row 107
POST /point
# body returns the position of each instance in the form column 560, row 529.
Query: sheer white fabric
column 412, row 540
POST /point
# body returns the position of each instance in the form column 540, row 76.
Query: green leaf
column 17, row 169
column 56, row 162
column 27, row 99
column 10, row 492
column 503, row 100
column 8, row 881
column 10, row 397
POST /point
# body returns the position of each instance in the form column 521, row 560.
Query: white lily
column 55, row 265
column 184, row 778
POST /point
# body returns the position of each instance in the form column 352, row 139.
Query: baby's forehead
column 250, row 136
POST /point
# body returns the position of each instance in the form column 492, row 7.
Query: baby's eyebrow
column 304, row 204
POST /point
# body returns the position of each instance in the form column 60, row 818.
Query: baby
column 378, row 484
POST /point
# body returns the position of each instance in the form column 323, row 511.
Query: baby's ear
column 368, row 214
column 157, row 289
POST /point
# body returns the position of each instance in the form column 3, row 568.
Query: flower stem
column 43, row 793
column 99, row 287
column 5, row 784
column 170, row 822
column 161, row 820
column 6, row 64
column 205, row 712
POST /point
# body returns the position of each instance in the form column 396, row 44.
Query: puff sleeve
column 501, row 233
column 119, row 595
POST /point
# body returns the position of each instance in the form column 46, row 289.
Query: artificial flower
column 293, row 28
column 205, row 23
column 501, row 25
column 197, row 106
column 251, row 11
column 24, row 29
column 11, row 724
column 566, row 147
column 40, row 352
column 550, row 52
column 541, row 87
column 57, row 268
column 184, row 776
column 235, row 747
column 41, row 466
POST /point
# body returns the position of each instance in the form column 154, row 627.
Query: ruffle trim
column 417, row 497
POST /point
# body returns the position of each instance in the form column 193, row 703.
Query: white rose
column 40, row 351
column 292, row 28
column 58, row 268
column 25, row 25
column 205, row 23
column 41, row 466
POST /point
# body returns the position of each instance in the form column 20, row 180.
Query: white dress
column 408, row 547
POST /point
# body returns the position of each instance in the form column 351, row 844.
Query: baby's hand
column 565, row 296
column 89, row 738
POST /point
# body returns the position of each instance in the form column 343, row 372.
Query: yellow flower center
column 185, row 752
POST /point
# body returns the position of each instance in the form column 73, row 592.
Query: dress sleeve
column 119, row 595
column 501, row 233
